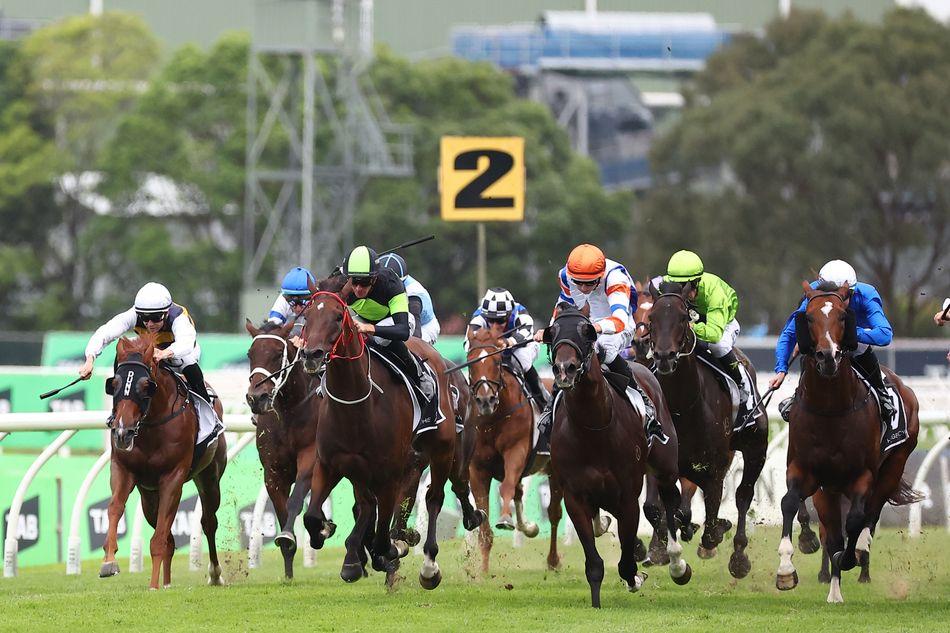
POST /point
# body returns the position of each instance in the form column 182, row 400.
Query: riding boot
column 652, row 425
column 870, row 368
column 196, row 381
column 413, row 368
column 730, row 364
column 533, row 382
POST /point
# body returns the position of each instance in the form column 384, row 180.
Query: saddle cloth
column 741, row 419
column 426, row 416
column 210, row 425
column 893, row 431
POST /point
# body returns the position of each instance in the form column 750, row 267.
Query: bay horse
column 599, row 451
column 504, row 426
column 365, row 434
column 153, row 430
column 834, row 442
column 702, row 414
column 286, row 412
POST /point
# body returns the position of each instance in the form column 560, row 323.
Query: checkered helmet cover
column 497, row 303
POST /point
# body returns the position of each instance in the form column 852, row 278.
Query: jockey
column 606, row 286
column 943, row 317
column 498, row 307
column 716, row 304
column 873, row 330
column 294, row 294
column 154, row 313
column 420, row 303
column 379, row 300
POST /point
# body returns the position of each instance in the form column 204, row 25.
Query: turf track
column 910, row 591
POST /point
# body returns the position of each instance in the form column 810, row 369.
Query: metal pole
column 482, row 266
column 306, row 167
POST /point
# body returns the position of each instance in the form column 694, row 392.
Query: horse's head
column 670, row 333
column 328, row 324
column 826, row 330
column 571, row 338
column 269, row 352
column 132, row 388
column 484, row 377
column 641, row 333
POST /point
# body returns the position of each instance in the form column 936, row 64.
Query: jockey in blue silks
column 873, row 330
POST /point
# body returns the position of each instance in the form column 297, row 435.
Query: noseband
column 281, row 378
column 495, row 387
column 584, row 355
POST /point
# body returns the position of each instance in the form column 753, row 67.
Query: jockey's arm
column 785, row 344
column 185, row 336
column 105, row 334
column 415, row 309
column 880, row 332
column 280, row 312
column 525, row 328
column 716, row 316
column 399, row 311
column 942, row 316
column 617, row 288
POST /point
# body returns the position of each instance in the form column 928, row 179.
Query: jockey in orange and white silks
column 174, row 331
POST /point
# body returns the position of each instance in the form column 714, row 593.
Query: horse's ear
column 121, row 346
column 588, row 332
column 845, row 292
column 149, row 353
column 546, row 336
column 311, row 285
column 654, row 291
column 253, row 331
column 849, row 340
column 803, row 334
column 586, row 309
column 638, row 286
column 287, row 327
column 807, row 289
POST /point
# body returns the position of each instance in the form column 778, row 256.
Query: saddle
column 426, row 414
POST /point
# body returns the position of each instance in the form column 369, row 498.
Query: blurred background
column 213, row 144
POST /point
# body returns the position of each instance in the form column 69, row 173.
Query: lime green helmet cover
column 684, row 266
column 361, row 262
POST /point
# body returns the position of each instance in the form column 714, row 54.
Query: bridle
column 585, row 356
column 687, row 335
column 346, row 336
column 495, row 387
column 130, row 372
column 281, row 378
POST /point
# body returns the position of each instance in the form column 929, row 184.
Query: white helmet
column 152, row 297
column 839, row 272
column 497, row 303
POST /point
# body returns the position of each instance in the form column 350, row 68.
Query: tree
column 825, row 139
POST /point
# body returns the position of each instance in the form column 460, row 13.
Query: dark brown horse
column 286, row 412
column 834, row 444
column 702, row 414
column 154, row 426
column 504, row 424
column 365, row 434
column 599, row 451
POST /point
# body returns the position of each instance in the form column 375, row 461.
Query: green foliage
column 825, row 139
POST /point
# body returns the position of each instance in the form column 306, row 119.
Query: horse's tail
column 905, row 494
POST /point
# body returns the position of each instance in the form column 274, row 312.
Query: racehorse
column 834, row 442
column 503, row 433
column 702, row 414
column 599, row 451
column 286, row 426
column 154, row 426
column 365, row 434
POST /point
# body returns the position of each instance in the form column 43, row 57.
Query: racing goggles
column 586, row 283
column 153, row 317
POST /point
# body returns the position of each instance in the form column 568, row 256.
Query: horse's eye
column 339, row 318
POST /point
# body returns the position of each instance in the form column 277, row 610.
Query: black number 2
column 499, row 164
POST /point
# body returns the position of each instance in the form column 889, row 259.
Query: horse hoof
column 658, row 558
column 739, row 565
column 725, row 525
column 109, row 569
column 640, row 551
column 351, row 572
column 552, row 565
column 286, row 539
column 824, row 577
column 786, row 582
column 638, row 581
column 531, row 530
column 412, row 537
column 431, row 583
column 601, row 525
column 505, row 523
column 315, row 530
column 215, row 581
column 863, row 578
column 808, row 543
column 476, row 520
column 686, row 577
column 329, row 529
column 402, row 548
column 704, row 553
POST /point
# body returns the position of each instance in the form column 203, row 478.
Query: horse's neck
column 829, row 393
column 684, row 387
column 588, row 403
column 348, row 378
column 294, row 392
column 167, row 397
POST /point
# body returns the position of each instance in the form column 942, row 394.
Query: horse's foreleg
column 798, row 489
column 680, row 571
column 461, row 487
column 208, row 483
column 828, row 506
column 753, row 460
column 481, row 484
column 712, row 526
column 582, row 517
column 292, row 505
column 654, row 514
column 685, row 511
column 353, row 563
column 321, row 485
column 169, row 497
column 514, row 466
column 554, row 518
column 383, row 552
column 627, row 524
column 856, row 522
column 430, row 575
column 824, row 574
column 530, row 528
column 122, row 483
column 808, row 541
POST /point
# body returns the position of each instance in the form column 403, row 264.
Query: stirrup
column 785, row 407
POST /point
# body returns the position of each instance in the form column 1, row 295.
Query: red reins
column 349, row 329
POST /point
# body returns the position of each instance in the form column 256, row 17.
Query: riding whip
column 480, row 358
column 419, row 240
column 56, row 391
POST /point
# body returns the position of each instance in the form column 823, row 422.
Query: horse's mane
column 828, row 286
column 269, row 326
column 140, row 343
column 333, row 283
column 565, row 308
column 671, row 287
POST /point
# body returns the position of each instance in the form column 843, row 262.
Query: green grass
column 909, row 592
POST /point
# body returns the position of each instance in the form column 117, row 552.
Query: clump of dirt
column 234, row 567
column 509, row 586
column 899, row 588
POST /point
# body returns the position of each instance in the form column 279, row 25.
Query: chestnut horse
column 702, row 414
column 599, row 451
column 365, row 434
column 286, row 421
column 154, row 426
column 834, row 441
column 504, row 425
